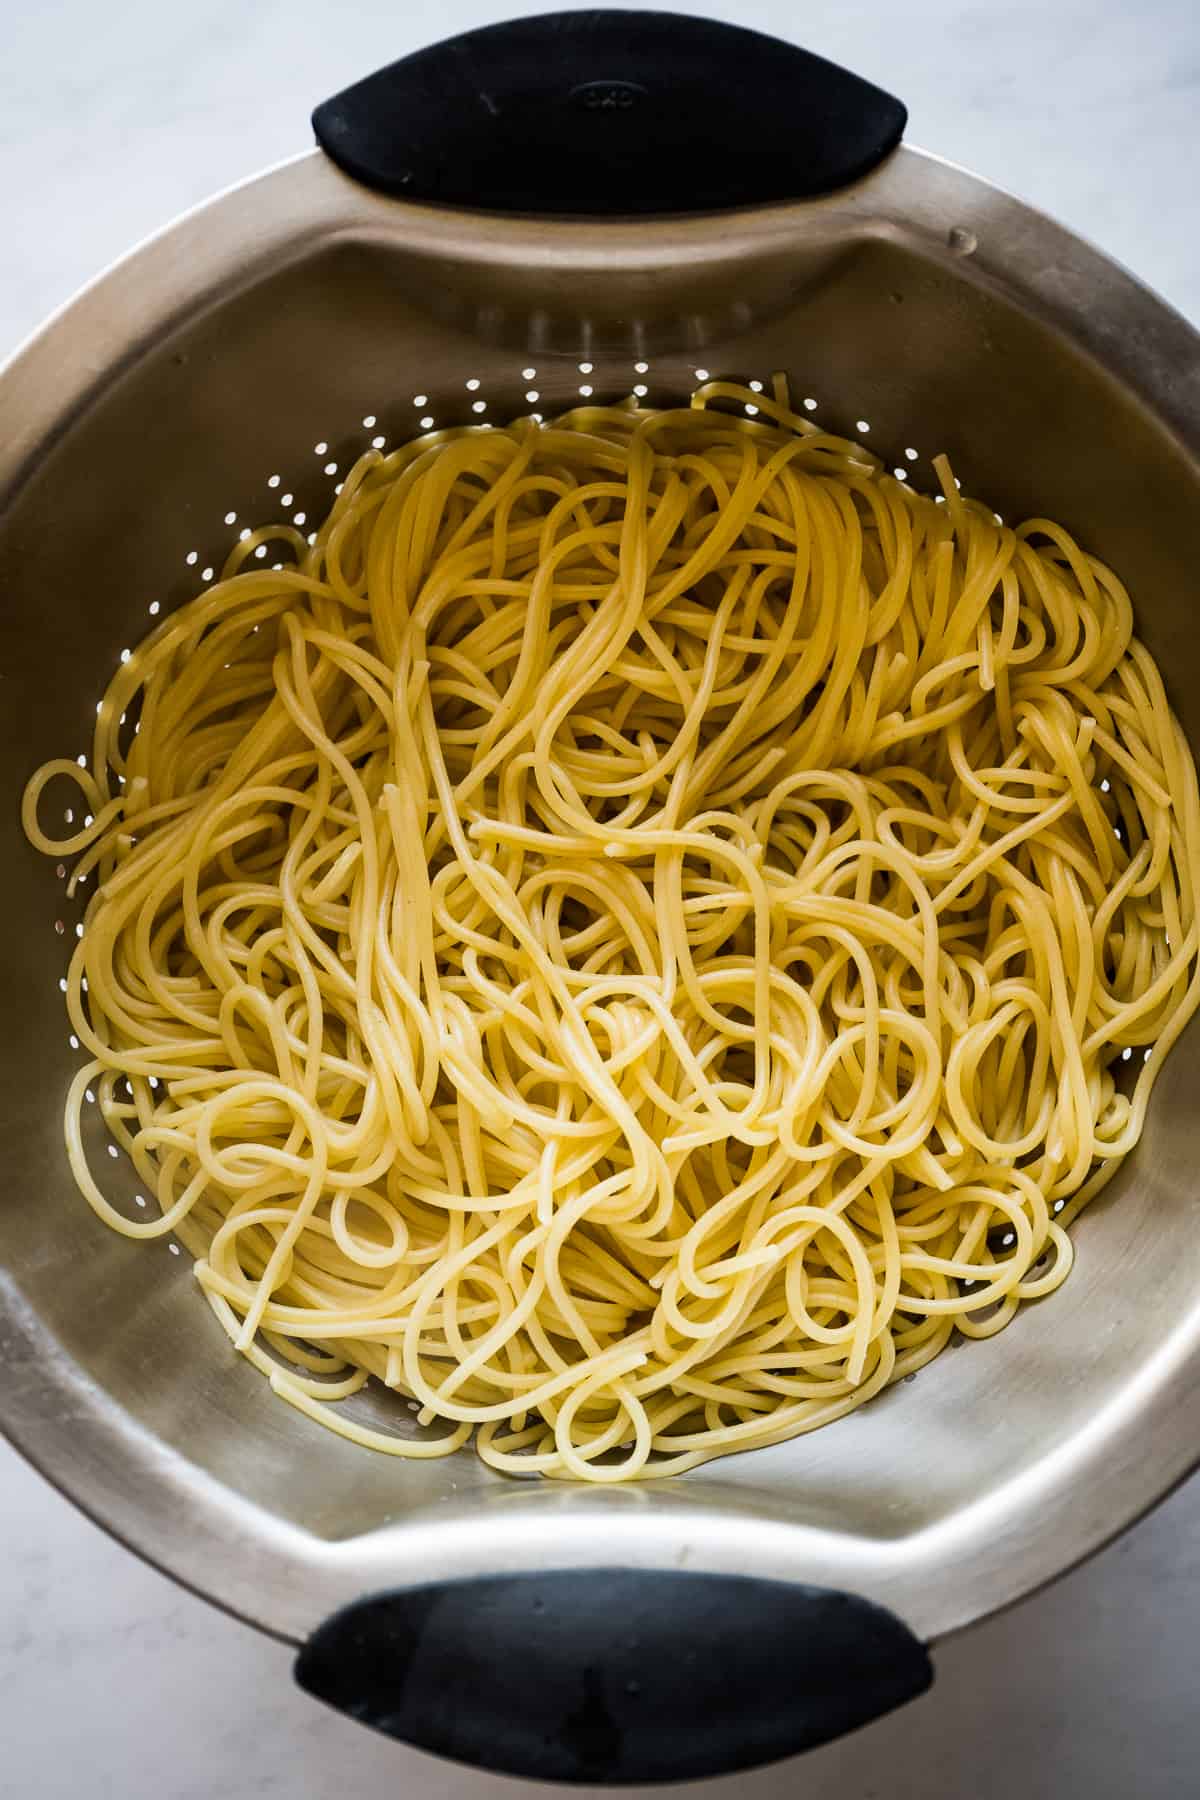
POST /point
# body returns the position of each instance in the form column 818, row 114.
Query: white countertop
column 113, row 1682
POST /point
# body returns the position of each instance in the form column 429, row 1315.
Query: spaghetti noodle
column 630, row 937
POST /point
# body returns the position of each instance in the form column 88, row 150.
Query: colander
column 569, row 208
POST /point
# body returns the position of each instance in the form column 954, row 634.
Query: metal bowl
column 274, row 332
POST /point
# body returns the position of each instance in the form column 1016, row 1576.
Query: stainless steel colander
column 574, row 207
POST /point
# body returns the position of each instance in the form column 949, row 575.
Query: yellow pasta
column 632, row 937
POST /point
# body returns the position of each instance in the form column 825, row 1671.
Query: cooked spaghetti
column 631, row 937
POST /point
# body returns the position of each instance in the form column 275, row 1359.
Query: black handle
column 609, row 113
column 614, row 1675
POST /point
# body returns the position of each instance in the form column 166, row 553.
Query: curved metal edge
column 284, row 1580
column 48, row 379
